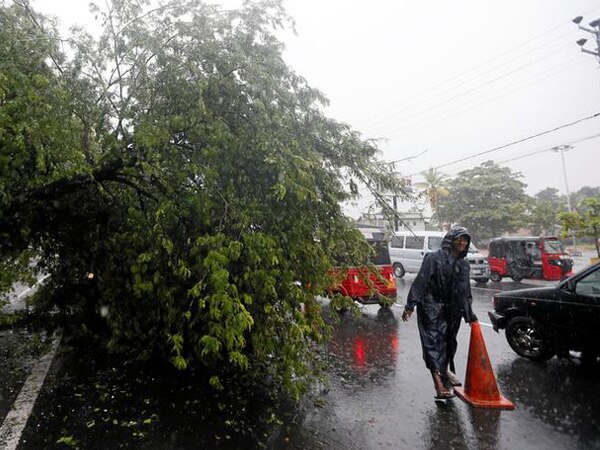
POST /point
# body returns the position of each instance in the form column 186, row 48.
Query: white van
column 407, row 249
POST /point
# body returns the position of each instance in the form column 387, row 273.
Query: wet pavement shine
column 379, row 395
column 379, row 398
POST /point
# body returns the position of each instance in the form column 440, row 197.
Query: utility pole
column 594, row 29
column 561, row 149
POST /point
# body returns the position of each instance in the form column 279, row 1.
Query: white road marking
column 16, row 419
column 24, row 292
column 40, row 280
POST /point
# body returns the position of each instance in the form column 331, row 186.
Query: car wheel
column 526, row 338
column 399, row 270
column 481, row 280
column 517, row 278
column 495, row 277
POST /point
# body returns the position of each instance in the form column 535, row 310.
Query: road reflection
column 365, row 348
column 486, row 427
column 448, row 428
column 561, row 393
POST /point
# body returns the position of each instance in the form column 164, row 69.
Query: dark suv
column 548, row 321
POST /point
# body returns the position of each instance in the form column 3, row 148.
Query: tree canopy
column 177, row 181
column 542, row 212
column 486, row 199
column 585, row 221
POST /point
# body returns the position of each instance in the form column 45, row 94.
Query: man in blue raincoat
column 442, row 294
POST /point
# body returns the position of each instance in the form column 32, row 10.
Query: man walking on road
column 442, row 294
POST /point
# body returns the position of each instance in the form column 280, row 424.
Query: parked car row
column 539, row 323
column 515, row 257
column 394, row 256
column 408, row 248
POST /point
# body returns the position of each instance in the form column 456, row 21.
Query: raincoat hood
column 454, row 233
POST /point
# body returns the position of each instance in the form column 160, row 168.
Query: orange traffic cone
column 480, row 388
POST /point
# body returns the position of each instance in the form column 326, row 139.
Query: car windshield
column 553, row 246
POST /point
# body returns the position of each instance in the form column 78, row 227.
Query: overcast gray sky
column 457, row 79
column 449, row 80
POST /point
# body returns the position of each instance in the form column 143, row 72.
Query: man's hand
column 406, row 315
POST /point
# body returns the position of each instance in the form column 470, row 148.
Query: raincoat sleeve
column 418, row 290
column 469, row 314
column 468, row 300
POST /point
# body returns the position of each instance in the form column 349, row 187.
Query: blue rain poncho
column 442, row 294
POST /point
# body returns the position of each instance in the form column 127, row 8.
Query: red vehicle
column 367, row 286
column 529, row 257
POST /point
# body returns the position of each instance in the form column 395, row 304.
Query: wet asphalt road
column 381, row 395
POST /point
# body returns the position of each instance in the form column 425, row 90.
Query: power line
column 593, row 116
column 593, row 136
column 426, row 109
column 466, row 106
column 494, row 58
column 426, row 96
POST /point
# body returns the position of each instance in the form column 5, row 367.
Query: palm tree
column 433, row 187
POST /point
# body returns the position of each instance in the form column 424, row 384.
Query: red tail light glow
column 359, row 352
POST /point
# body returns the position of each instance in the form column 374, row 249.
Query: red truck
column 364, row 285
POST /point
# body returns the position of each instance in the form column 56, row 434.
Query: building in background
column 405, row 221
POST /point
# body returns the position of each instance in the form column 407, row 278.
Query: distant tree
column 584, row 193
column 583, row 222
column 179, row 184
column 549, row 195
column 433, row 187
column 488, row 200
column 542, row 212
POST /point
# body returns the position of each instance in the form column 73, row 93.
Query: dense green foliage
column 585, row 221
column 487, row 199
column 178, row 182
column 542, row 212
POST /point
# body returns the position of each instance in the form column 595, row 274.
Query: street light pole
column 594, row 29
column 561, row 149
